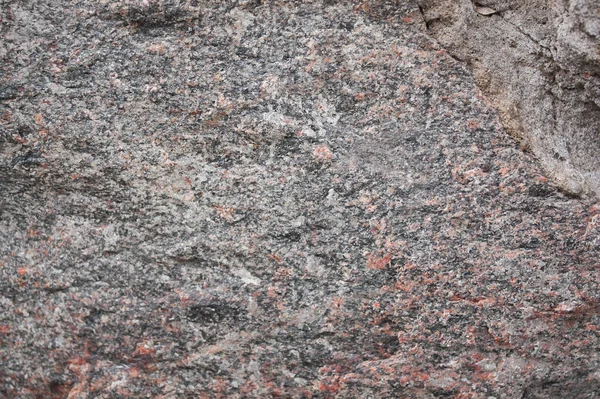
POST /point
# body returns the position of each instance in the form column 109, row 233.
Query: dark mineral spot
column 214, row 312
column 540, row 190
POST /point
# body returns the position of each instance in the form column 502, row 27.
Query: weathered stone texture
column 275, row 199
column 539, row 63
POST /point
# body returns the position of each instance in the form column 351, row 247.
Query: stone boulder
column 538, row 61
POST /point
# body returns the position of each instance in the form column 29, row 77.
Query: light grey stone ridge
column 538, row 61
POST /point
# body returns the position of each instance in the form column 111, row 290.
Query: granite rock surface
column 538, row 61
column 255, row 199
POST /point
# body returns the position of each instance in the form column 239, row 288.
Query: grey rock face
column 539, row 63
column 274, row 199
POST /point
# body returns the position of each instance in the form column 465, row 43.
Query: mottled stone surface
column 222, row 199
column 539, row 63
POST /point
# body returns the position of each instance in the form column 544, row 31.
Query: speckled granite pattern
column 221, row 199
